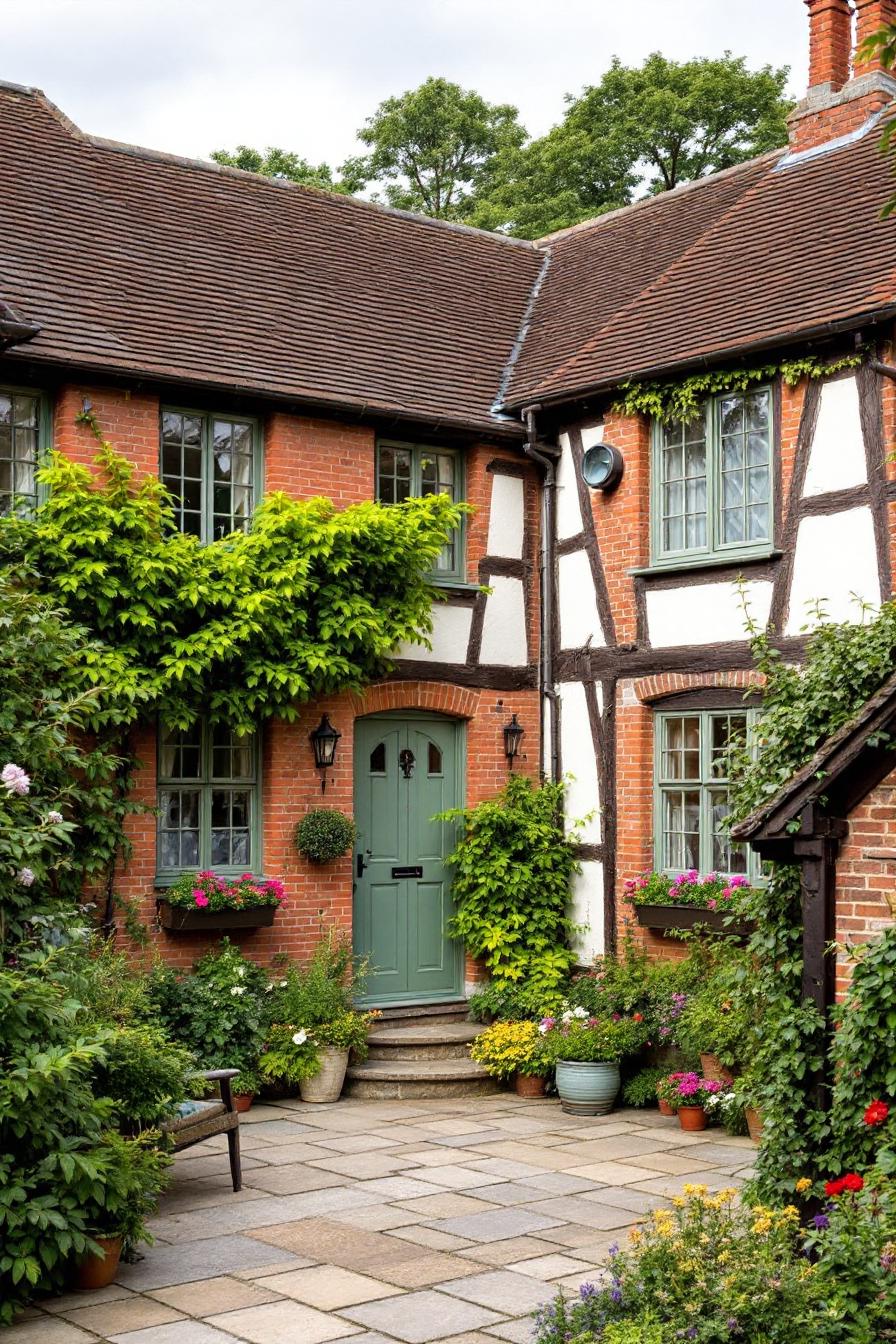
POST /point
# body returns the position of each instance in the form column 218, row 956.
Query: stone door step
column 457, row 1010
column 437, row 1040
column 382, row 1079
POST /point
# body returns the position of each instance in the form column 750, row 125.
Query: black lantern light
column 513, row 736
column 323, row 741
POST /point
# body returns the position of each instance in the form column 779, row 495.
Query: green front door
column 406, row 770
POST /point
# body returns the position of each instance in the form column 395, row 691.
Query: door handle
column 360, row 865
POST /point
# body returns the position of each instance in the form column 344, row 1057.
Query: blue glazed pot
column 587, row 1089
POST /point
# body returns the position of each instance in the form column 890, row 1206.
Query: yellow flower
column 724, row 1257
column 635, row 1236
column 762, row 1225
column 698, row 1190
column 803, row 1184
column 679, row 1201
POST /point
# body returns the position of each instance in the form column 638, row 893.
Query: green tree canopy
column 883, row 44
column 430, row 148
column 281, row 163
column 642, row 128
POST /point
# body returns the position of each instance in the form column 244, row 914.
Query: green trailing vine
column 683, row 399
column 844, row 665
column 310, row 601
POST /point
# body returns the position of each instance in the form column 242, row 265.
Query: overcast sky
column 189, row 76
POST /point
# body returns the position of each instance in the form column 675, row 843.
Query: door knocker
column 406, row 761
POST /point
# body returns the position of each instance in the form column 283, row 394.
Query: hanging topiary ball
column 324, row 834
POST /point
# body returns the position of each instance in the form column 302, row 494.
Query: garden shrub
column 145, row 1074
column 506, row 1048
column 324, row 834
column 640, row 1089
column 322, row 990
column 515, row 1001
column 512, row 868
column 863, row 1052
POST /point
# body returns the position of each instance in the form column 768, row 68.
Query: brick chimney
column 844, row 91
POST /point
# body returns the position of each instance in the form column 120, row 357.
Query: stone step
column 429, row 1040
column 422, row 1014
column 386, row 1079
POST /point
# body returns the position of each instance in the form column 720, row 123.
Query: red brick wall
column 866, row 874
column 307, row 457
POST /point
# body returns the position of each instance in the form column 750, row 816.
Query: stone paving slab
column 390, row 1223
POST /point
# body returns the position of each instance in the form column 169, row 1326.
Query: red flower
column 638, row 1017
column 877, row 1113
column 853, row 1182
column 834, row 1188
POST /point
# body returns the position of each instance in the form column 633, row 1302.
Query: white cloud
column 189, row 76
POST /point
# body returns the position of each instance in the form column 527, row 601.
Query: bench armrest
column 223, row 1076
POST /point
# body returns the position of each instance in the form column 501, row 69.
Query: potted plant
column 667, row 1093
column 246, row 1086
column 745, row 1089
column 324, row 834
column 688, row 1096
column 131, row 1174
column 206, row 901
column 585, row 1053
column 715, row 1026
column 509, row 1050
column 689, row 901
column 726, row 1108
column 315, row 1058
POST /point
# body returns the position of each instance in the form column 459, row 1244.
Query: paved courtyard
column 397, row 1222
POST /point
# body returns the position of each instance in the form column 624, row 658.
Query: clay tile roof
column 753, row 257
column 133, row 261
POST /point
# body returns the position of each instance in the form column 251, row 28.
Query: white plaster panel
column 835, row 562
column 578, row 760
column 450, row 636
column 569, row 512
column 504, row 627
column 837, row 457
column 577, row 602
column 591, row 436
column 506, row 519
column 704, row 613
column 588, row 910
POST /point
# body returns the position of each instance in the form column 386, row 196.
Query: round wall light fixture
column 602, row 467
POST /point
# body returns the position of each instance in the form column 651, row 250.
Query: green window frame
column 24, row 439
column 212, row 466
column 414, row 470
column 208, row 801
column 691, row 791
column 712, row 487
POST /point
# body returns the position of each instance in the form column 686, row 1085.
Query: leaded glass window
column 713, row 480
column 406, row 471
column 210, row 465
column 20, row 423
column 693, row 791
column 207, row 800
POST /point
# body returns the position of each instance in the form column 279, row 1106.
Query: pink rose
column 200, row 898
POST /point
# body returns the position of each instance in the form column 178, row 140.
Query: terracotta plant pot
column 243, row 1101
column 98, row 1271
column 326, row 1085
column 528, row 1085
column 754, row 1123
column 712, row 1068
column 665, row 1108
column 692, row 1118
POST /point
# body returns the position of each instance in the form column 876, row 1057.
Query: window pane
column 684, row 486
column 745, row 468
column 435, row 760
column 681, row 747
column 19, row 418
column 178, row 828
column 231, row 815
column 378, row 759
column 681, row 829
column 232, row 476
column 180, row 754
column 232, row 754
column 393, row 475
column 726, row 857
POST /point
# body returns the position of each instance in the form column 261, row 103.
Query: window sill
column 687, row 563
column 455, row 585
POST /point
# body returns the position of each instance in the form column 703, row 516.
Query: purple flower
column 14, row 779
column 54, row 818
column 25, row 877
column 616, row 1293
column 587, row 1290
column 613, row 1248
column 821, row 1221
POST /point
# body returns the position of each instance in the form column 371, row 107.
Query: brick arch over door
column 456, row 701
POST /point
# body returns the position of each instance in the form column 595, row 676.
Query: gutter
column 546, row 459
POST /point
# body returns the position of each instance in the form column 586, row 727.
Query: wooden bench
column 196, row 1121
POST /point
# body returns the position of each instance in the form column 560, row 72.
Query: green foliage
column 589, row 1040
column 248, row 627
column 146, row 1075
column 207, row 891
column 429, row 147
column 723, row 1017
column 62, row 830
column 280, row 163
column 324, row 834
column 321, row 991
column 290, row 1056
column 633, row 983
column 133, row 1172
column 513, row 1000
column 512, row 868
column 882, row 44
column 864, row 1053
column 218, row 1012
column 684, row 398
column 506, row 1048
column 640, row 1089
column 856, row 1260
column 651, row 126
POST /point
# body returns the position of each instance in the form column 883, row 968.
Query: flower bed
column 206, row 901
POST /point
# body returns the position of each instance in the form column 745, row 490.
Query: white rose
column 567, row 1017
column 238, row 989
column 580, row 1012
column 299, row 1037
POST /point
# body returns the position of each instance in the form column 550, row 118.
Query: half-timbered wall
column 633, row 638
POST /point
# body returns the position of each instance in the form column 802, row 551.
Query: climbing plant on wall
column 310, row 601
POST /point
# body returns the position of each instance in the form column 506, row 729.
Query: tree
column 883, row 44
column 430, row 148
column 281, row 163
column 651, row 126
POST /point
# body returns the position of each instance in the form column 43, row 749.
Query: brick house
column 236, row 334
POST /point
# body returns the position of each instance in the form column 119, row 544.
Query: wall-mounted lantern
column 323, row 741
column 602, row 467
column 513, row 736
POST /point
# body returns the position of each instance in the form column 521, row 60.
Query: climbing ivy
column 309, row 602
column 683, row 399
column 844, row 665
